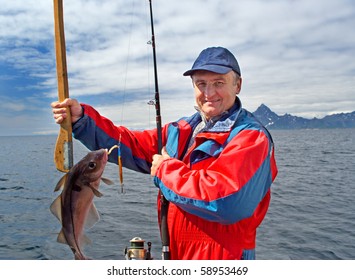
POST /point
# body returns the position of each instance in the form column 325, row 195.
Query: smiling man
column 216, row 167
column 216, row 79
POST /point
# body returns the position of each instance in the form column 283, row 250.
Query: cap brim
column 212, row 68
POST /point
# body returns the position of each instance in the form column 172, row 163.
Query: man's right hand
column 59, row 110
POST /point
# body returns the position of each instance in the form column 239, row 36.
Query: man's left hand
column 157, row 160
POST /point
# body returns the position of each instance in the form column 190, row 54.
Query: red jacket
column 219, row 188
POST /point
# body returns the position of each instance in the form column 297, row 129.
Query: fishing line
column 132, row 13
column 118, row 146
column 127, row 57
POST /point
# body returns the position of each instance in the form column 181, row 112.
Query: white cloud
column 295, row 56
column 14, row 107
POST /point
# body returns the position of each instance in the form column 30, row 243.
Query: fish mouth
column 103, row 155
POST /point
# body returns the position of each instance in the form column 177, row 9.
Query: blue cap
column 215, row 59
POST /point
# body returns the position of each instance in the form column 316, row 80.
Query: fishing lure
column 119, row 161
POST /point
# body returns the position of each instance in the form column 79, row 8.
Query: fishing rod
column 137, row 250
column 164, row 203
column 156, row 101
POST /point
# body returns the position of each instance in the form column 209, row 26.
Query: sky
column 296, row 57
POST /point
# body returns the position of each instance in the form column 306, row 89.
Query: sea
column 311, row 215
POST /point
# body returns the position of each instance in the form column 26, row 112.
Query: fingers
column 157, row 161
column 60, row 112
column 68, row 102
column 164, row 153
column 59, row 115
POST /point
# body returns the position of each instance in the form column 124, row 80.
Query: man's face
column 215, row 93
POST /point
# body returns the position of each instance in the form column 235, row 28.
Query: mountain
column 273, row 121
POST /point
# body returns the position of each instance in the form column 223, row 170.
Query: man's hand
column 157, row 160
column 60, row 110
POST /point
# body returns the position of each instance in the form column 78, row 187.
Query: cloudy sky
column 296, row 56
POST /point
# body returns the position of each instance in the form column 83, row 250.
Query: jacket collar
column 223, row 122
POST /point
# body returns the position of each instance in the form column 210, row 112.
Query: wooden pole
column 63, row 153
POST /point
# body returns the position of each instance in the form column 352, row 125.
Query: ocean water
column 311, row 215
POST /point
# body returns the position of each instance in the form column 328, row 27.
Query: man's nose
column 209, row 90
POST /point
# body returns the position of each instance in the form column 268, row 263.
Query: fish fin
column 84, row 240
column 87, row 184
column 56, row 208
column 107, row 181
column 95, row 191
column 61, row 238
column 92, row 218
column 61, row 183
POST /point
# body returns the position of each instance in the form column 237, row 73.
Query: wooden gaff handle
column 63, row 153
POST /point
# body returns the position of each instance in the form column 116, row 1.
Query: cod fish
column 74, row 207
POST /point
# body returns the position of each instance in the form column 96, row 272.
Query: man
column 216, row 167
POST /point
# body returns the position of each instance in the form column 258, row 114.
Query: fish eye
column 92, row 165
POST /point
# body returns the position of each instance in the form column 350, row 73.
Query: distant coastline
column 267, row 117
column 273, row 121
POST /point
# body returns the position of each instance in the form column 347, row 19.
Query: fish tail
column 80, row 256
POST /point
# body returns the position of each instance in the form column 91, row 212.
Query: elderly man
column 216, row 167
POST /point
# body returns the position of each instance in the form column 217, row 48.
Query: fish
column 74, row 207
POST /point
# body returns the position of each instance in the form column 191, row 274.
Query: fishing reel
column 137, row 251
